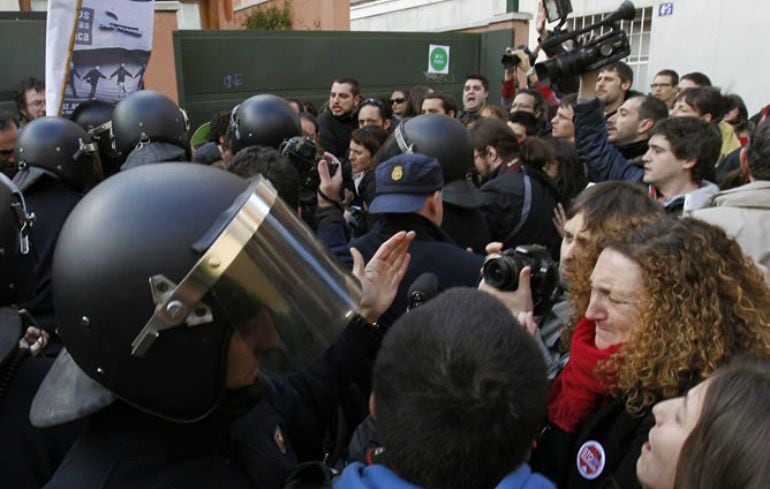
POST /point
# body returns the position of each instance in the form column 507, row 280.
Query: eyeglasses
column 660, row 85
column 6, row 153
column 394, row 101
column 37, row 104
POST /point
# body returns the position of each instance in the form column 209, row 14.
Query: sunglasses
column 374, row 101
column 5, row 153
column 397, row 100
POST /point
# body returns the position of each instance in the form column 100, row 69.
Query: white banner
column 95, row 49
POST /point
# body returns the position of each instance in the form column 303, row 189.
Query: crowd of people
column 294, row 297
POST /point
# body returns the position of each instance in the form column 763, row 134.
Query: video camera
column 589, row 55
column 511, row 60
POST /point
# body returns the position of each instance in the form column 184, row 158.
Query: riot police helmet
column 145, row 117
column 265, row 120
column 189, row 259
column 445, row 139
column 56, row 147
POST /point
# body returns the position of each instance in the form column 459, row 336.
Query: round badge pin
column 591, row 459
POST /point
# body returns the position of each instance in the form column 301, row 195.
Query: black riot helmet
column 147, row 116
column 15, row 222
column 186, row 256
column 448, row 141
column 95, row 116
column 264, row 120
column 57, row 147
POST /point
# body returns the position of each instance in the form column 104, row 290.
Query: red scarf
column 577, row 393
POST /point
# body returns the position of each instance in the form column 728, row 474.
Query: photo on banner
column 97, row 49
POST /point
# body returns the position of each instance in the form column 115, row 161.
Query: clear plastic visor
column 269, row 277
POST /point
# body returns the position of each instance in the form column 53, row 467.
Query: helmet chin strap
column 401, row 140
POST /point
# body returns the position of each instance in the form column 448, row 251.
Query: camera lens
column 501, row 273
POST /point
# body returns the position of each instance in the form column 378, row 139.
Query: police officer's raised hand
column 331, row 185
column 381, row 277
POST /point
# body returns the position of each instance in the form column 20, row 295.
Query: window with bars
column 638, row 31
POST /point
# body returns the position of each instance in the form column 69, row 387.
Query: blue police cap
column 404, row 181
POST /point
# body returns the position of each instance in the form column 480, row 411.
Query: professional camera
column 588, row 55
column 503, row 272
column 511, row 60
column 302, row 152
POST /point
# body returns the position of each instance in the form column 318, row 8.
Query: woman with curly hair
column 716, row 436
column 661, row 305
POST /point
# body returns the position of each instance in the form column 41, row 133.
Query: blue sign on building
column 666, row 8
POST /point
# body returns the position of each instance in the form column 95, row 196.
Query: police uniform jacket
column 432, row 251
column 255, row 438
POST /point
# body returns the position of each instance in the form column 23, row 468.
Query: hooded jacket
column 358, row 476
column 744, row 214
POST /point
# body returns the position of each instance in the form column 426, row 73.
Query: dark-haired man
column 475, row 93
column 337, row 122
column 439, row 103
column 628, row 129
column 665, row 86
column 30, row 100
column 458, row 395
column 374, row 112
column 8, row 132
column 518, row 200
column 612, row 85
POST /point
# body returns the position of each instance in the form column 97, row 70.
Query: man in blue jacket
column 459, row 394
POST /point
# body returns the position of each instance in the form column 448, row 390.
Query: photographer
column 596, row 210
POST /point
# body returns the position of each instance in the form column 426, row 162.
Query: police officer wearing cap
column 178, row 311
column 447, row 140
column 409, row 197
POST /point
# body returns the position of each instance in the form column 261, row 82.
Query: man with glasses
column 665, row 87
column 374, row 112
column 30, row 100
column 8, row 131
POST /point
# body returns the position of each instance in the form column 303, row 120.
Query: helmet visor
column 264, row 272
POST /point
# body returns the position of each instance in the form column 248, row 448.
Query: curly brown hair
column 703, row 302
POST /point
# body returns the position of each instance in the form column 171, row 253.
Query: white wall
column 422, row 15
column 725, row 39
column 9, row 5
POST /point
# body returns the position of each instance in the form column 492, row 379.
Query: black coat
column 51, row 201
column 467, row 227
column 518, row 206
column 432, row 251
column 255, row 438
column 620, row 436
column 30, row 455
column 334, row 132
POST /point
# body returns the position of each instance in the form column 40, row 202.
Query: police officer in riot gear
column 447, row 140
column 57, row 165
column 95, row 116
column 168, row 305
column 148, row 127
column 263, row 120
column 29, row 456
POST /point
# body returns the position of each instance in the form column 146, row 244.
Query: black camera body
column 502, row 273
column 596, row 53
column 511, row 60
column 302, row 152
